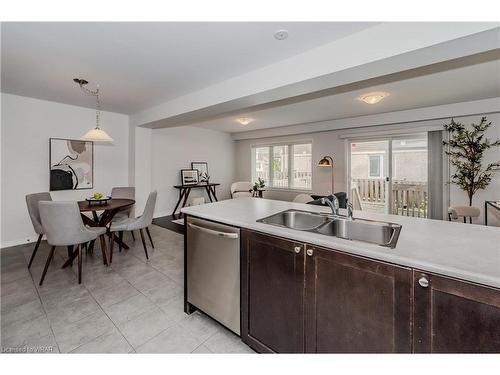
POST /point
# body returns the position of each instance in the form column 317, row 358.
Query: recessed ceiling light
column 281, row 34
column 245, row 120
column 373, row 97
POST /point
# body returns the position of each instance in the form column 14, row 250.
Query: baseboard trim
column 17, row 242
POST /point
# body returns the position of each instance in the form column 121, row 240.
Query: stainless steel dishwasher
column 213, row 270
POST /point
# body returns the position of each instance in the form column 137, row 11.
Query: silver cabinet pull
column 423, row 282
column 297, row 249
column 310, row 252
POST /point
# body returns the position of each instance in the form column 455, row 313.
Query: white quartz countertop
column 465, row 251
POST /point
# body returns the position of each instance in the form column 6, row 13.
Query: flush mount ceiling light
column 245, row 120
column 281, row 34
column 373, row 97
column 96, row 134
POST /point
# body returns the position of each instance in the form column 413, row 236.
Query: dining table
column 109, row 210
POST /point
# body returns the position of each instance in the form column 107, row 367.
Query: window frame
column 270, row 146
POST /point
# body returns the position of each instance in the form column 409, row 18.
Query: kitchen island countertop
column 464, row 251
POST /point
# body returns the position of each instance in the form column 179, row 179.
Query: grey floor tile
column 14, row 274
column 162, row 294
column 202, row 349
column 17, row 286
column 134, row 270
column 172, row 340
column 72, row 311
column 174, row 309
column 25, row 332
column 227, row 342
column 150, row 280
column 21, row 313
column 71, row 315
column 200, row 325
column 14, row 300
column 112, row 342
column 102, row 278
column 54, row 297
column 71, row 336
column 114, row 294
column 129, row 309
column 144, row 327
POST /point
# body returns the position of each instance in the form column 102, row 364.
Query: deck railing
column 409, row 198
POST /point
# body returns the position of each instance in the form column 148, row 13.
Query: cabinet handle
column 423, row 282
column 310, row 252
column 297, row 249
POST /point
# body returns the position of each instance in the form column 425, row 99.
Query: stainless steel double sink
column 370, row 231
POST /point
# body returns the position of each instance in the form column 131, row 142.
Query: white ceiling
column 474, row 82
column 139, row 65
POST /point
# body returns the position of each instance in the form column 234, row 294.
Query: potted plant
column 466, row 147
column 258, row 185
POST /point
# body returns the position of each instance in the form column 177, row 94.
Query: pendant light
column 96, row 134
column 327, row 161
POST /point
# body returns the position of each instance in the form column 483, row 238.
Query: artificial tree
column 466, row 151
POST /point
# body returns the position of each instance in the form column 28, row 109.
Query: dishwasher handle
column 213, row 232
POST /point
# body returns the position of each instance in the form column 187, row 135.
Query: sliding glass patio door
column 389, row 175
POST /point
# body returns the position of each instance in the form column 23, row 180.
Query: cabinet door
column 272, row 293
column 453, row 316
column 356, row 305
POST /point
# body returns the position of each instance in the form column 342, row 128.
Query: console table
column 493, row 204
column 184, row 191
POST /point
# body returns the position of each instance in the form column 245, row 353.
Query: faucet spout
column 334, row 206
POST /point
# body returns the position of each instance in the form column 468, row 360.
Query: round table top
column 110, row 205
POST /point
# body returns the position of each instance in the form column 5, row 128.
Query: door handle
column 297, row 249
column 310, row 252
column 213, row 232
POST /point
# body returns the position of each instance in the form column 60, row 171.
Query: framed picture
column 201, row 166
column 189, row 176
column 71, row 164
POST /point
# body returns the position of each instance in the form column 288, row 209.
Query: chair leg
column 35, row 250
column 120, row 236
column 132, row 233
column 111, row 245
column 150, row 239
column 70, row 253
column 91, row 246
column 103, row 249
column 47, row 263
column 144, row 243
column 79, row 250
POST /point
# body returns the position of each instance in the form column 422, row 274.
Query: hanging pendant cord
column 98, row 103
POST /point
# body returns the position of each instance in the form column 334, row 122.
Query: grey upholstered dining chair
column 139, row 223
column 63, row 226
column 32, row 201
column 125, row 192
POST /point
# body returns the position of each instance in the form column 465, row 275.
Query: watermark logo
column 28, row 349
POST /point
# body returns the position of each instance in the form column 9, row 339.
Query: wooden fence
column 409, row 198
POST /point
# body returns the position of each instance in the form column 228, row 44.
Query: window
column 283, row 166
column 375, row 166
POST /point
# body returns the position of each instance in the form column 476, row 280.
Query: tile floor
column 133, row 306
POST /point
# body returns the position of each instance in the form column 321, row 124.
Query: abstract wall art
column 71, row 164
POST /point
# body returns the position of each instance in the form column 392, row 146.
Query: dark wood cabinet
column 454, row 316
column 356, row 305
column 272, row 295
column 299, row 298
